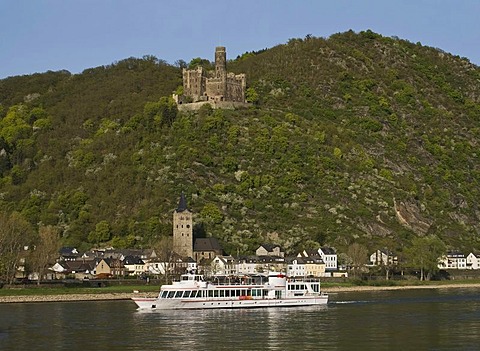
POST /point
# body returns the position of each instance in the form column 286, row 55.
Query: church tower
column 183, row 229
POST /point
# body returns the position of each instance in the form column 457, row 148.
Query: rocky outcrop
column 409, row 215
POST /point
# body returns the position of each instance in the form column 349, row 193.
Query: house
column 110, row 267
column 269, row 250
column 79, row 269
column 177, row 265
column 314, row 264
column 68, row 254
column 453, row 260
column 223, row 265
column 296, row 267
column 383, row 258
column 260, row 264
column 473, row 261
column 329, row 256
column 246, row 265
column 134, row 265
column 206, row 249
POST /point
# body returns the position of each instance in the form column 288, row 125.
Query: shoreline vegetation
column 35, row 295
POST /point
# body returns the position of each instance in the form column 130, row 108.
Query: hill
column 353, row 138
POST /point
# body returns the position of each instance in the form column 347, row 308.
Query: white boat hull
column 173, row 304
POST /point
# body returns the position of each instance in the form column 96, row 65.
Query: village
column 206, row 256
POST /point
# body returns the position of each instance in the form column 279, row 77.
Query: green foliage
column 341, row 127
column 424, row 254
column 102, row 233
column 252, row 96
column 211, row 213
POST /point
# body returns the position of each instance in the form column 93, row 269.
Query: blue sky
column 41, row 35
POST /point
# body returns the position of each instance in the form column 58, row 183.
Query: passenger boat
column 193, row 292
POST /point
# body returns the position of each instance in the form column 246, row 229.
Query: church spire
column 182, row 204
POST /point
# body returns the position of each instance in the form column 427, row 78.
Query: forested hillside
column 353, row 138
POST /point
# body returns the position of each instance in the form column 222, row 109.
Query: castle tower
column 183, row 229
column 220, row 62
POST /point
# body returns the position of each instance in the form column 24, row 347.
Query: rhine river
column 442, row 319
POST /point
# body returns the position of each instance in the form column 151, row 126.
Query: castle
column 214, row 87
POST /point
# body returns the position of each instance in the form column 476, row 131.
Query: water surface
column 446, row 319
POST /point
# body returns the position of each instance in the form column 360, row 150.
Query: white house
column 329, row 256
column 383, row 258
column 453, row 260
column 247, row 266
column 134, row 265
column 297, row 267
column 473, row 261
column 223, row 265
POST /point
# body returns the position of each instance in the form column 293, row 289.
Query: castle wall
column 226, row 105
column 215, row 86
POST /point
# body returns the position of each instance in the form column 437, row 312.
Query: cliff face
column 410, row 216
column 356, row 137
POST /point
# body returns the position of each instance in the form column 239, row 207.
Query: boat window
column 184, row 277
column 215, row 293
column 210, row 293
column 222, row 293
column 171, row 294
column 164, row 294
column 186, row 293
column 200, row 293
column 178, row 294
column 227, row 293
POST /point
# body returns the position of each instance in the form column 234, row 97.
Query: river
column 433, row 319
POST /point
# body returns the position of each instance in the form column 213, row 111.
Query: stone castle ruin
column 219, row 88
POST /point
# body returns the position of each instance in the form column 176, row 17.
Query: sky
column 73, row 35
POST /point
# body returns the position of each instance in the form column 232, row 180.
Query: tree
column 101, row 233
column 252, row 96
column 211, row 213
column 46, row 250
column 358, row 255
column 164, row 250
column 425, row 254
column 162, row 112
column 15, row 234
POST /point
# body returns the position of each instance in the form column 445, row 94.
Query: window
column 186, row 294
column 164, row 294
column 171, row 294
column 178, row 294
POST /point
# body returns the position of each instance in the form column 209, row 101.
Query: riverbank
column 71, row 297
column 127, row 295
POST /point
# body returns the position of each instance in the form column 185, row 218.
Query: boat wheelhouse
column 274, row 290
